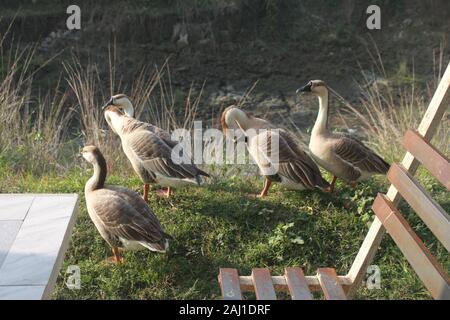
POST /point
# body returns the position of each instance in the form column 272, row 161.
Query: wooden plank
column 426, row 208
column 229, row 284
column 329, row 282
column 434, row 277
column 428, row 126
column 280, row 283
column 365, row 256
column 429, row 156
column 427, row 129
column 296, row 282
column 263, row 284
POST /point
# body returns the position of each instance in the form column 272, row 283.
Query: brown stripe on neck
column 102, row 168
column 223, row 122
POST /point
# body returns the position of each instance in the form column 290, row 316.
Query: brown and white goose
column 149, row 148
column 120, row 215
column 345, row 157
column 287, row 163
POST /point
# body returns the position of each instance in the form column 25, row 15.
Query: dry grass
column 45, row 132
column 34, row 129
column 389, row 106
column 151, row 93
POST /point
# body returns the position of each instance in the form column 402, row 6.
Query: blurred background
column 180, row 60
column 186, row 60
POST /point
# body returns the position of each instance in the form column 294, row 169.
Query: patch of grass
column 219, row 226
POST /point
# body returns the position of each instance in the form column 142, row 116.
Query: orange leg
column 265, row 190
column 146, row 187
column 330, row 189
column 116, row 258
column 164, row 193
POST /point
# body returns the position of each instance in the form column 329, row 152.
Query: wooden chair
column 388, row 217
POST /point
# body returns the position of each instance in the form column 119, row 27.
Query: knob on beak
column 110, row 102
column 306, row 88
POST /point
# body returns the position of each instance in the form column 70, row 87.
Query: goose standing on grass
column 149, row 149
column 294, row 168
column 345, row 157
column 121, row 216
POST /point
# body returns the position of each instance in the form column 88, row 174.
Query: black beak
column 306, row 88
column 110, row 102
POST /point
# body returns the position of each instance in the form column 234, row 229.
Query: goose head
column 113, row 116
column 315, row 87
column 122, row 102
column 234, row 118
column 91, row 154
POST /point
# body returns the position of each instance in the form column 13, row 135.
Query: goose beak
column 303, row 89
column 110, row 102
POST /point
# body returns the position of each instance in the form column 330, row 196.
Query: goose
column 288, row 165
column 149, row 148
column 343, row 156
column 121, row 216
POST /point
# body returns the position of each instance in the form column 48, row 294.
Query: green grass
column 220, row 226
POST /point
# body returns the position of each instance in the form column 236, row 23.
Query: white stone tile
column 21, row 292
column 31, row 258
column 34, row 258
column 47, row 207
column 8, row 232
column 14, row 207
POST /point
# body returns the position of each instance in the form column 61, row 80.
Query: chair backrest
column 429, row 270
column 401, row 176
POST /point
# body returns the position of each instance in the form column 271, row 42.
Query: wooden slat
column 330, row 284
column 297, row 285
column 427, row 129
column 229, row 284
column 263, row 284
column 426, row 208
column 426, row 266
column 280, row 283
column 429, row 156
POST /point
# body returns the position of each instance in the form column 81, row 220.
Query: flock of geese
column 124, row 219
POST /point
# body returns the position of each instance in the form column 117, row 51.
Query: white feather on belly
column 131, row 245
column 174, row 182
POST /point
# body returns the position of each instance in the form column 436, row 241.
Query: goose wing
column 134, row 125
column 156, row 156
column 125, row 215
column 293, row 163
column 358, row 155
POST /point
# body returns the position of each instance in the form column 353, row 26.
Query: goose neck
column 97, row 181
column 128, row 109
column 321, row 125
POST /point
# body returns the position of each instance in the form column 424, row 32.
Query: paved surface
column 34, row 234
